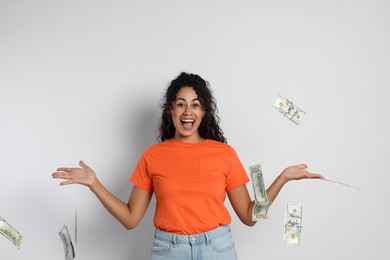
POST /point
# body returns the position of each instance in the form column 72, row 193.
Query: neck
column 190, row 139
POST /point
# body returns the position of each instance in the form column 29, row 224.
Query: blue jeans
column 216, row 244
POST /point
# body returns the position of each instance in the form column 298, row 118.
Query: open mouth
column 187, row 123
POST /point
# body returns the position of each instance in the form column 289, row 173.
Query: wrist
column 282, row 178
column 94, row 184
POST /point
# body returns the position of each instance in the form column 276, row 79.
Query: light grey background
column 83, row 80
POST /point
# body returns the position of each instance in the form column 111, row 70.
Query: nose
column 187, row 110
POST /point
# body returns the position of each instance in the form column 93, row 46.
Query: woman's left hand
column 298, row 172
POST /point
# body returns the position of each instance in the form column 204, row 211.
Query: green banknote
column 258, row 184
column 289, row 110
column 260, row 210
column 293, row 224
column 10, row 233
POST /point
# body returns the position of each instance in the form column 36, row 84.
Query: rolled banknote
column 289, row 110
column 293, row 224
column 258, row 184
column 10, row 233
column 260, row 211
column 67, row 242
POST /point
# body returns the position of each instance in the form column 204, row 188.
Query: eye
column 180, row 105
column 196, row 105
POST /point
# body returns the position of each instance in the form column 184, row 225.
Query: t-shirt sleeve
column 141, row 177
column 237, row 175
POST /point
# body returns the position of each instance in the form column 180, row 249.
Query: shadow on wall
column 143, row 124
column 138, row 130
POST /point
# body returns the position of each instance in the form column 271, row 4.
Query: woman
column 190, row 172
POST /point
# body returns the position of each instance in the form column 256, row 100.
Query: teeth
column 187, row 121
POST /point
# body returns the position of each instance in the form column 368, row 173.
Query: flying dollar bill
column 289, row 110
column 10, row 233
column 67, row 242
column 258, row 184
column 260, row 210
column 293, row 224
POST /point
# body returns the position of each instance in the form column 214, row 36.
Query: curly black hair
column 209, row 127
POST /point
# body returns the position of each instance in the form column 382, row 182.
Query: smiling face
column 187, row 114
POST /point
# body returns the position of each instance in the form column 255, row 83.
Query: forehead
column 186, row 93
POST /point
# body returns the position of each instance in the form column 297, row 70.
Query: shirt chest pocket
column 211, row 167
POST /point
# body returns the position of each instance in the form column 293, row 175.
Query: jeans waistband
column 201, row 238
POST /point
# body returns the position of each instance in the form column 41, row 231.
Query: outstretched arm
column 129, row 214
column 242, row 203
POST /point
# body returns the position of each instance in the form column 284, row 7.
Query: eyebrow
column 195, row 99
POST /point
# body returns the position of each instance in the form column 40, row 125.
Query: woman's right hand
column 84, row 175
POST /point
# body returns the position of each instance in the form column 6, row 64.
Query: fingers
column 61, row 175
column 64, row 169
column 83, row 165
column 302, row 166
column 68, row 169
column 66, row 183
column 315, row 176
column 67, row 176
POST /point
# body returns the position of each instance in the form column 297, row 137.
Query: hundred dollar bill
column 10, row 233
column 258, row 184
column 67, row 242
column 289, row 110
column 293, row 224
column 260, row 211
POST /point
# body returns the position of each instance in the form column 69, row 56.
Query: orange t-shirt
column 190, row 183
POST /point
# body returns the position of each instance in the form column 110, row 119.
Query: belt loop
column 207, row 239
column 174, row 240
